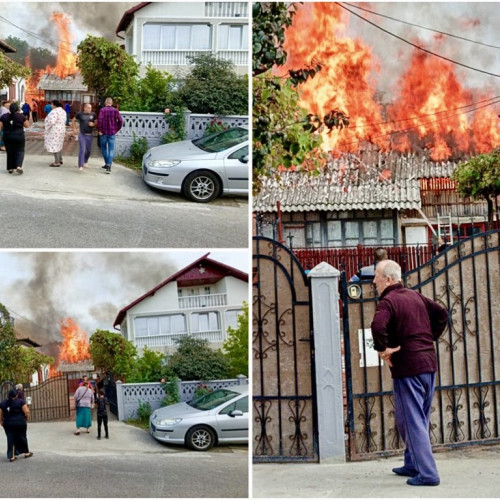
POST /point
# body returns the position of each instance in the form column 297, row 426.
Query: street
column 130, row 464
column 67, row 208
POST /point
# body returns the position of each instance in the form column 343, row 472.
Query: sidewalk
column 465, row 473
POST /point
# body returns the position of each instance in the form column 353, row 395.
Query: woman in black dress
column 14, row 415
column 13, row 125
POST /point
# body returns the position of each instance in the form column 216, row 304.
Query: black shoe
column 107, row 437
column 98, row 437
column 108, row 170
column 104, row 166
column 404, row 471
column 415, row 481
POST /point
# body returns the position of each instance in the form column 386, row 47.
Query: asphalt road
column 130, row 464
column 67, row 208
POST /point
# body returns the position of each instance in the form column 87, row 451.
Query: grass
column 141, row 424
column 129, row 163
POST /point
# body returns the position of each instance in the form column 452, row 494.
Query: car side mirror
column 236, row 413
column 244, row 159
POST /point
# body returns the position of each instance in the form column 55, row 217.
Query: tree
column 107, row 68
column 284, row 135
column 236, row 346
column 152, row 93
column 39, row 57
column 112, row 353
column 17, row 363
column 479, row 177
column 213, row 87
column 195, row 360
column 9, row 70
column 150, row 367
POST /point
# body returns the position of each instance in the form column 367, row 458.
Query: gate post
column 328, row 361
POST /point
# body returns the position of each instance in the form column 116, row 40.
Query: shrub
column 172, row 392
column 201, row 390
column 177, row 126
column 138, row 148
column 144, row 412
column 215, row 126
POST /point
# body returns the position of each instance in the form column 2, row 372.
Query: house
column 201, row 300
column 374, row 199
column 16, row 90
column 165, row 34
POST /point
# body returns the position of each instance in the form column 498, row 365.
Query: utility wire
column 416, row 46
column 422, row 27
column 26, row 319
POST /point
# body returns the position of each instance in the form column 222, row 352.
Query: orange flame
column 428, row 112
column 66, row 60
column 75, row 346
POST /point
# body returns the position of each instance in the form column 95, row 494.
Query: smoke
column 89, row 287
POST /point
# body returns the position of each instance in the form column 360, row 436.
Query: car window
column 241, row 404
column 222, row 140
column 213, row 399
column 240, row 153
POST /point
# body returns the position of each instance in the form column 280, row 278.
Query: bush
column 172, row 392
column 138, row 148
column 201, row 390
column 215, row 126
column 177, row 126
column 144, row 412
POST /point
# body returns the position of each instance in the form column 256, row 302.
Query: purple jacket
column 406, row 318
column 109, row 121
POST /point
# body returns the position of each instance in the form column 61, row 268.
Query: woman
column 13, row 125
column 55, row 130
column 14, row 414
column 84, row 399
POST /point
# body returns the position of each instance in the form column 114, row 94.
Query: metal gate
column 49, row 399
column 466, row 280
column 284, row 404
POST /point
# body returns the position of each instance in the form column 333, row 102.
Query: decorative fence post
column 119, row 400
column 328, row 361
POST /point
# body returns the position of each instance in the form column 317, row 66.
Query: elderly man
column 405, row 326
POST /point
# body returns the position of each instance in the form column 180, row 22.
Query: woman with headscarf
column 13, row 124
column 84, row 400
column 55, row 131
column 14, row 416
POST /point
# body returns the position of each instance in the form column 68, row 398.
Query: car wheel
column 200, row 438
column 202, row 187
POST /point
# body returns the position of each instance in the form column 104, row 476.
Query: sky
column 42, row 288
column 95, row 18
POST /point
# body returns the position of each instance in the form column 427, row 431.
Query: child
column 102, row 414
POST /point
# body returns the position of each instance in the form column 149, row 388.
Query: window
column 151, row 326
column 232, row 37
column 176, row 36
column 239, row 153
column 205, row 322
column 313, row 234
column 232, row 318
column 241, row 404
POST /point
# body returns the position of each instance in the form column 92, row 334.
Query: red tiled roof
column 128, row 16
column 227, row 271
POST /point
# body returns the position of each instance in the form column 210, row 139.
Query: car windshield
column 221, row 141
column 213, row 399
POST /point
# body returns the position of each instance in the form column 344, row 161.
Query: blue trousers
column 412, row 404
column 108, row 148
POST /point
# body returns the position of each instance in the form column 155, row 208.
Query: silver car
column 201, row 169
column 215, row 418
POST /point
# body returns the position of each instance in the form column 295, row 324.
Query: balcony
column 159, row 57
column 226, row 9
column 170, row 339
column 200, row 301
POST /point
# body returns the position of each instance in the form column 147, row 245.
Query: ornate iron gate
column 283, row 370
column 49, row 399
column 466, row 280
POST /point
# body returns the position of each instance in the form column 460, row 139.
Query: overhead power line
column 415, row 45
column 422, row 27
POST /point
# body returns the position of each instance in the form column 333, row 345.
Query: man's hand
column 386, row 355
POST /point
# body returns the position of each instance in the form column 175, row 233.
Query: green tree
column 479, row 177
column 9, row 70
column 236, row 346
column 107, row 68
column 152, row 93
column 17, row 363
column 195, row 360
column 150, row 367
column 213, row 87
column 284, row 135
column 112, row 353
column 39, row 57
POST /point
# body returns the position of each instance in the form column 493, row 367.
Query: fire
column 429, row 112
column 75, row 346
column 66, row 60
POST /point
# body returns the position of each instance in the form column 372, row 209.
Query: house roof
column 53, row 82
column 27, row 342
column 5, row 47
column 128, row 16
column 222, row 270
column 369, row 181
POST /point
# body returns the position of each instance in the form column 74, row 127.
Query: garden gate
column 465, row 279
column 49, row 400
column 283, row 370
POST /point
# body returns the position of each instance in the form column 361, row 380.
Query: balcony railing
column 180, row 57
column 199, row 301
column 226, row 9
column 171, row 339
